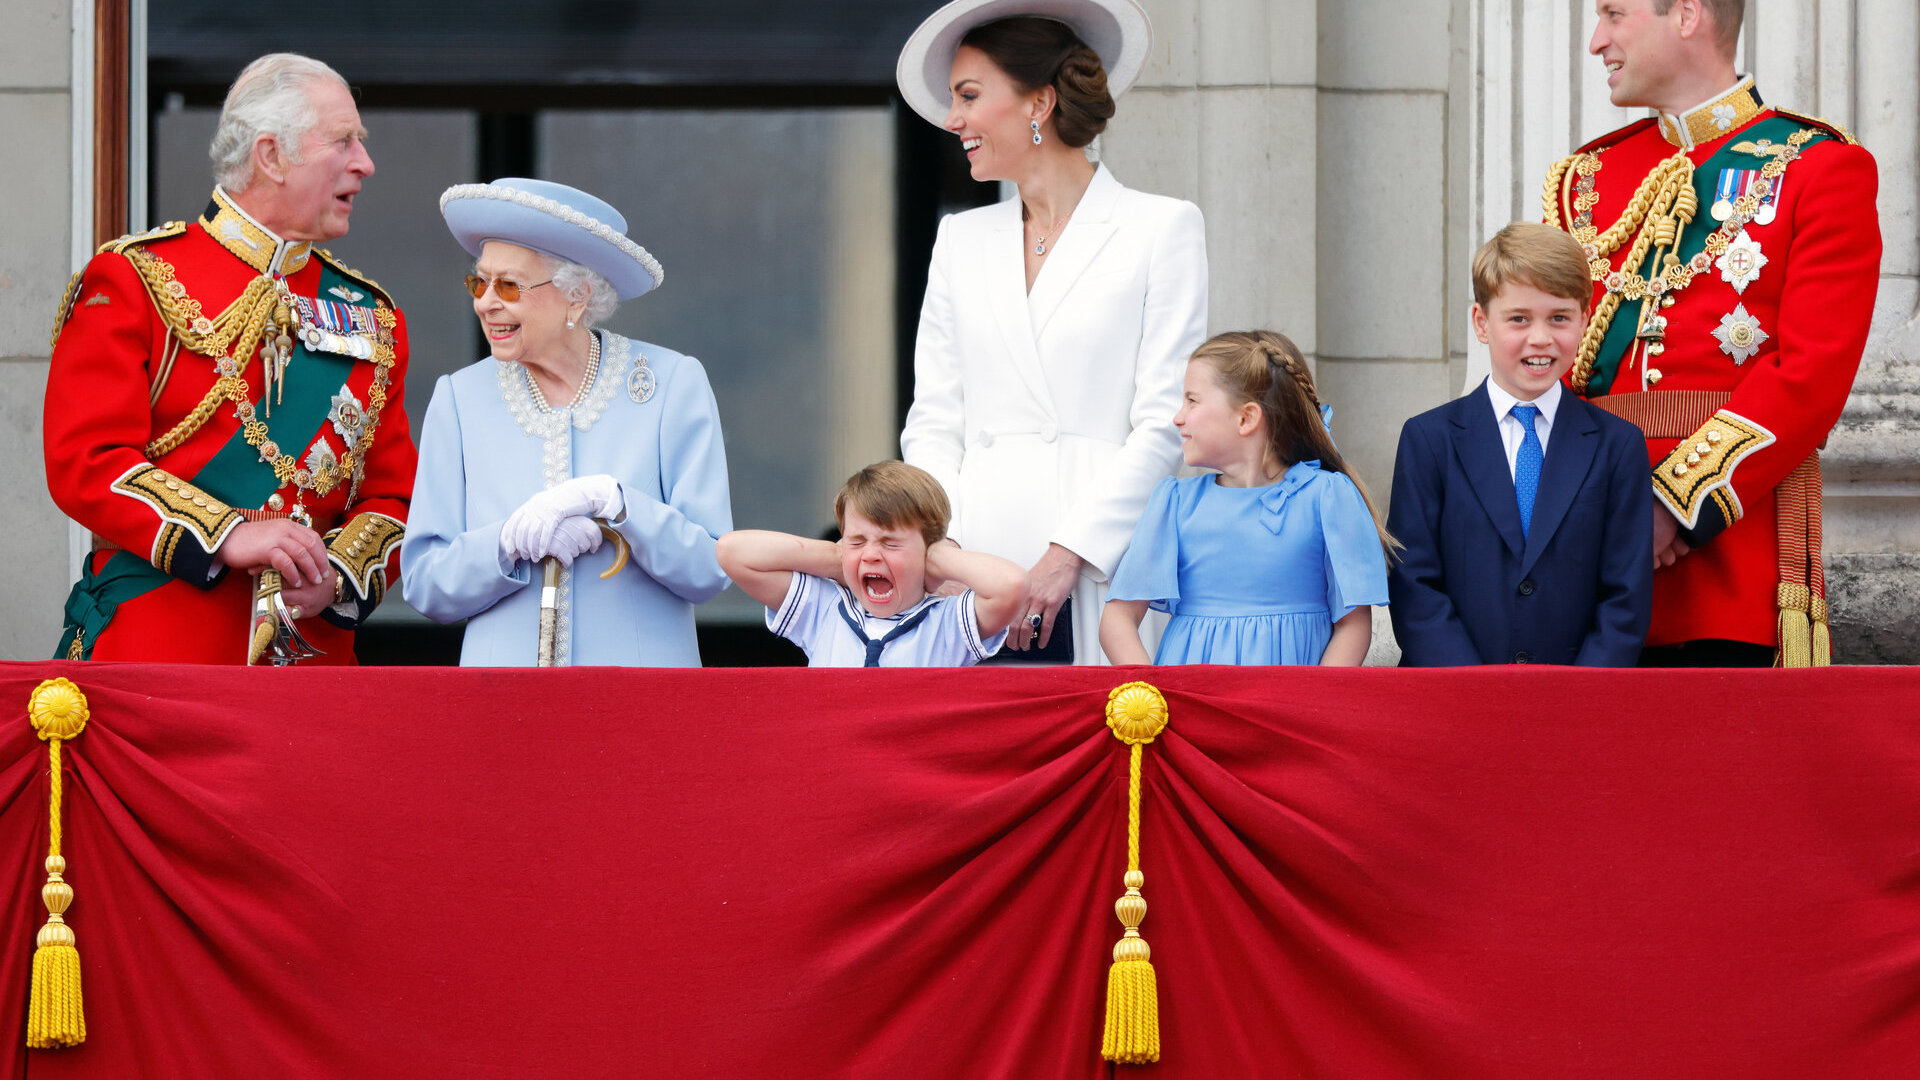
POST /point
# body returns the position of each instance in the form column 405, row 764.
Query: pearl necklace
column 586, row 377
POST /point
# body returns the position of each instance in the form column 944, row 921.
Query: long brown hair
column 1268, row 369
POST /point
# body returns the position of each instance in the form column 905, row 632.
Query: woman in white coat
column 1057, row 324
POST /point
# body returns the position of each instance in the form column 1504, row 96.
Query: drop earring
column 1035, row 125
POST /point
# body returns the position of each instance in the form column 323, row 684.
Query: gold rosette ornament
column 58, row 711
column 1137, row 714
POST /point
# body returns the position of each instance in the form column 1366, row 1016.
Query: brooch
column 1740, row 264
column 1740, row 334
column 640, row 382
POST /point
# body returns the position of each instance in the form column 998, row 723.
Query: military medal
column 1763, row 214
column 1740, row 264
column 1723, row 193
column 1740, row 334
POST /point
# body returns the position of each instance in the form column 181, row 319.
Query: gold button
column 1656, row 349
column 275, row 502
column 1666, row 301
column 200, row 501
column 1654, row 376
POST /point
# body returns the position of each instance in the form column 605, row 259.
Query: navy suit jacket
column 1469, row 590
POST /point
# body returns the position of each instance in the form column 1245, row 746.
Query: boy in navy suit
column 1524, row 510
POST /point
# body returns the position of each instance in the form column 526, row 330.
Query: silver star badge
column 349, row 417
column 1740, row 264
column 1740, row 334
column 320, row 456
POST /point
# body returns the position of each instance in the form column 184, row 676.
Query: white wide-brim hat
column 556, row 220
column 1118, row 31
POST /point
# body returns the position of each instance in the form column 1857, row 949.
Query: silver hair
column 269, row 98
column 576, row 283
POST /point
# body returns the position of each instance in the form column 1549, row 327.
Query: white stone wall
column 1348, row 174
column 36, row 105
column 1349, row 156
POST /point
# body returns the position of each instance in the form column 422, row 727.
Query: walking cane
column 550, row 589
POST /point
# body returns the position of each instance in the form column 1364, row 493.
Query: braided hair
column 1267, row 368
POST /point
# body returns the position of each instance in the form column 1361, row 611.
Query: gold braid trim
column 184, row 508
column 1701, row 467
column 360, row 550
column 65, row 311
column 243, row 322
column 1552, row 194
column 1652, row 208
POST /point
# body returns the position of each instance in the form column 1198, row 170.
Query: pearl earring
column 1035, row 125
column 569, row 324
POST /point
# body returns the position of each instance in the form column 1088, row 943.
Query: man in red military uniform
column 225, row 399
column 1735, row 251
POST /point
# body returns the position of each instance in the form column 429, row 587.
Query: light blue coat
column 487, row 446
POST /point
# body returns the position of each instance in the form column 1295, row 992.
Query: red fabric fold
column 893, row 873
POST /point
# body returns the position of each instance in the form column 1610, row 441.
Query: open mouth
column 878, row 589
column 501, row 331
column 970, row 145
column 1537, row 365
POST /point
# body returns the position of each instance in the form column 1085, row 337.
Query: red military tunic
column 161, row 457
column 1766, row 304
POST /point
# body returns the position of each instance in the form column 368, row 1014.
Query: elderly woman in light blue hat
column 564, row 424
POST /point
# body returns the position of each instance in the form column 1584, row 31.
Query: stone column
column 38, row 249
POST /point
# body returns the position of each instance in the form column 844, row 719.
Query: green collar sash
column 1706, row 177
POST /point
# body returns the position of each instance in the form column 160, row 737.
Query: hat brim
column 477, row 213
column 1118, row 31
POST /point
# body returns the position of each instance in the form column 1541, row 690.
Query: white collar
column 1503, row 402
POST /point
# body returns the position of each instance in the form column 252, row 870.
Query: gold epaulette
column 356, row 275
column 116, row 246
column 120, row 245
column 1826, row 126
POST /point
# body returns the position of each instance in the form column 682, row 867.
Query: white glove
column 529, row 531
column 575, row 537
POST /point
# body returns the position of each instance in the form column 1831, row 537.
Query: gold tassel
column 1796, row 634
column 1136, row 713
column 55, row 1017
column 1822, row 639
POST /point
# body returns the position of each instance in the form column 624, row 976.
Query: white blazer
column 1048, row 417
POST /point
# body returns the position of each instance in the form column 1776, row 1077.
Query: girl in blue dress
column 1278, row 557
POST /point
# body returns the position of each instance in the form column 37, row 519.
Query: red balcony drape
column 743, row 873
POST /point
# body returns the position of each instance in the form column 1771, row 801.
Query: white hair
column 269, row 98
column 577, row 283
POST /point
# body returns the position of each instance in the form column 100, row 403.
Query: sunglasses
column 505, row 288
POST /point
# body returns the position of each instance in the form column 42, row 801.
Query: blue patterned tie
column 1526, row 465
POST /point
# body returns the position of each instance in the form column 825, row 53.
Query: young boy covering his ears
column 870, row 600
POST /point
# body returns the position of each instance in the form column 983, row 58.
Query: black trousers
column 1708, row 652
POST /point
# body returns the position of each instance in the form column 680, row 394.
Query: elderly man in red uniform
column 1735, row 250
column 225, row 400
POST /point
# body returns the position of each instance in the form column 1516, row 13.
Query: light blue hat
column 554, row 219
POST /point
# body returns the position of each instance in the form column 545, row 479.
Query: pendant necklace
column 1040, row 245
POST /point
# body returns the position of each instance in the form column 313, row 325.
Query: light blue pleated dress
column 1253, row 575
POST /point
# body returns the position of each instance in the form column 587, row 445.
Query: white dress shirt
column 1511, row 433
